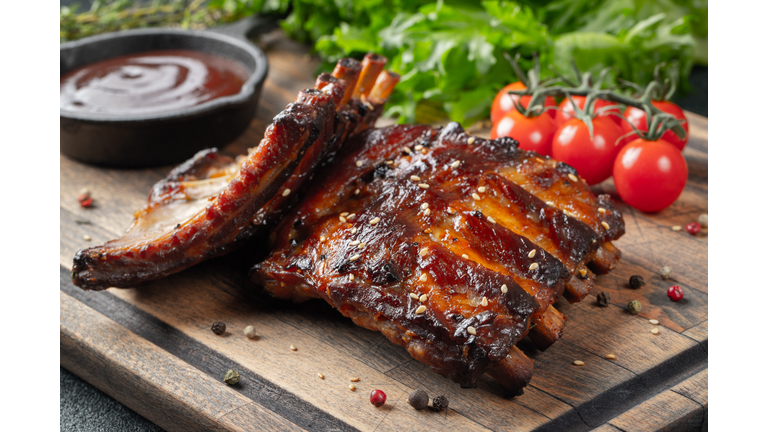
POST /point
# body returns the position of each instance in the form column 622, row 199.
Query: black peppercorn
column 440, row 403
column 219, row 328
column 604, row 299
column 636, row 281
column 418, row 399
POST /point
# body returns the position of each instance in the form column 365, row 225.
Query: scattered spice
column 418, row 399
column 481, row 189
column 465, row 256
column 578, row 363
column 231, row 377
column 655, row 331
column 664, row 272
column 293, row 348
column 704, row 220
column 471, row 140
column 573, row 177
column 423, row 185
column 320, row 375
column 677, row 228
column 378, row 398
column 440, row 403
column 249, row 332
column 286, row 192
column 475, row 196
column 87, row 237
column 533, row 266
column 605, row 225
column 604, row 299
column 423, row 251
column 636, row 281
column 455, row 164
column 634, row 307
column 218, row 328
column 610, row 356
column 504, row 288
column 423, row 298
column 352, row 387
column 423, row 277
column 532, row 253
column 601, row 210
column 415, row 178
column 471, row 330
column 693, row 228
column 414, row 296
column 85, row 199
column 653, row 321
column 354, row 379
column 675, row 293
column 355, row 257
column 374, row 221
column 421, row 309
column 491, row 220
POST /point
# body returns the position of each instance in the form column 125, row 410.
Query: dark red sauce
column 151, row 82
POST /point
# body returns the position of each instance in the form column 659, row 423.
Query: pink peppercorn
column 693, row 228
column 378, row 398
column 675, row 293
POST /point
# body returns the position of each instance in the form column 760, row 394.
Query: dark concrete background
column 84, row 408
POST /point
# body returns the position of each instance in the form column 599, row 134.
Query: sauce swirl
column 150, row 82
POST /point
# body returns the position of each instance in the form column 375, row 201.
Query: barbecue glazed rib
column 452, row 246
column 210, row 204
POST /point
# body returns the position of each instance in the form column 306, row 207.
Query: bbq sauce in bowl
column 150, row 82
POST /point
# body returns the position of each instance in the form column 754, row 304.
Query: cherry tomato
column 504, row 102
column 566, row 110
column 636, row 117
column 650, row 175
column 533, row 133
column 592, row 158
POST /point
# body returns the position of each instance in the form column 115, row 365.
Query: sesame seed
column 491, row 220
column 357, row 191
column 355, row 257
column 286, row 192
column 354, row 230
column 471, row 140
column 359, row 163
column 655, row 331
column 321, row 375
column 415, row 178
column 374, row 221
column 532, row 253
column 610, row 356
column 677, row 228
column 341, row 218
column 423, row 298
column 354, row 379
column 423, row 185
column 533, row 266
column 504, row 288
column 605, row 225
column 423, row 277
column 539, row 160
column 426, row 212
column 418, row 147
column 465, row 256
column 578, row 363
column 428, row 230
column 471, row 330
column 456, row 164
column 350, row 216
column 653, row 321
column 362, row 245
column 293, row 348
column 550, row 203
column 601, row 210
column 568, row 213
column 354, row 243
column 351, row 277
column 451, row 210
column 423, row 251
column 407, row 150
column 476, row 196
column 87, row 237
column 573, row 177
column 421, row 309
column 423, row 151
column 481, row 189
column 322, row 239
column 352, row 387
column 344, row 214
column 484, row 302
column 390, row 162
column 414, row 296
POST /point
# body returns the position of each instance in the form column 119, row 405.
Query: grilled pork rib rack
column 452, row 246
column 211, row 204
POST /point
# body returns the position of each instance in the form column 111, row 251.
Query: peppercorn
column 250, row 333
column 636, row 281
column 231, row 377
column 693, row 228
column 378, row 398
column 675, row 293
column 219, row 328
column 85, row 199
column 703, row 220
column 665, row 272
column 440, row 403
column 604, row 299
column 418, row 399
column 634, row 307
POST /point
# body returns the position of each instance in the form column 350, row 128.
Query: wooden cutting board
column 152, row 349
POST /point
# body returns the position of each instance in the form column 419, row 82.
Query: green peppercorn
column 636, row 281
column 634, row 307
column 231, row 377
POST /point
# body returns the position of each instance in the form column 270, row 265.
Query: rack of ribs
column 211, row 204
column 452, row 246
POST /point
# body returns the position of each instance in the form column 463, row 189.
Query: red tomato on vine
column 650, row 175
column 591, row 156
column 504, row 102
column 636, row 117
column 533, row 133
column 566, row 111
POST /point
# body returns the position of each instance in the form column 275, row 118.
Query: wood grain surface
column 152, row 349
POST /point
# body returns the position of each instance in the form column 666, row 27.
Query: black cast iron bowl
column 173, row 136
